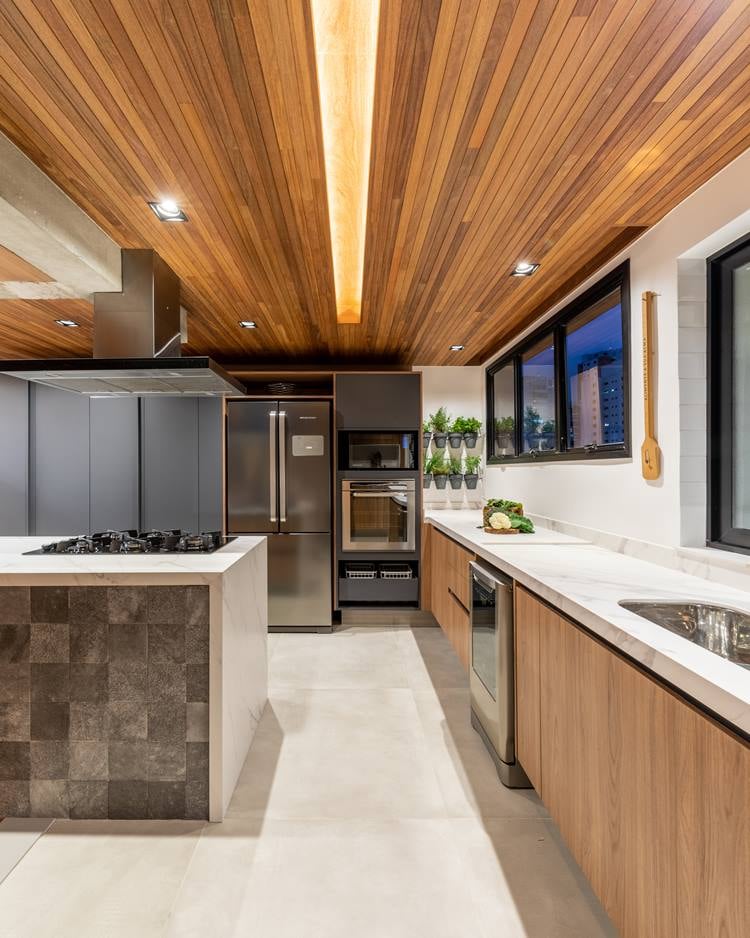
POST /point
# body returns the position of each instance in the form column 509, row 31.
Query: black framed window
column 728, row 396
column 539, row 397
column 569, row 382
column 504, row 407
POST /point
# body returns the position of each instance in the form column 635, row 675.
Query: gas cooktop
column 138, row 542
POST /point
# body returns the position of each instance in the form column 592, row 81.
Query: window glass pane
column 595, row 378
column 740, row 396
column 538, row 394
column 505, row 411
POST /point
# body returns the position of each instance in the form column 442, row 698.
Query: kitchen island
column 130, row 686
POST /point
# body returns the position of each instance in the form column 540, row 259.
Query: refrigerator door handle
column 282, row 466
column 272, row 465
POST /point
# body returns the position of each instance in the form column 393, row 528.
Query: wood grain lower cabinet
column 528, row 696
column 449, row 591
column 651, row 796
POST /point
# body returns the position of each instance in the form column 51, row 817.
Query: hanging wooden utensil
column 650, row 452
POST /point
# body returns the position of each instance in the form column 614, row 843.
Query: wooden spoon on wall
column 650, row 452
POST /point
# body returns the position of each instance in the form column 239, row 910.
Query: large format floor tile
column 89, row 879
column 367, row 807
column 350, row 659
column 335, row 754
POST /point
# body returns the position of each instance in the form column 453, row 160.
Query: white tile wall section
column 691, row 317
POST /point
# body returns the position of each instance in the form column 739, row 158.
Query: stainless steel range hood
column 137, row 338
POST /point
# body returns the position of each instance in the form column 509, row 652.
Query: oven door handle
column 376, row 494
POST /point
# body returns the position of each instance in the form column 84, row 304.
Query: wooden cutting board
column 650, row 452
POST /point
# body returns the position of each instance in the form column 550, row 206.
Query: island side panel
column 104, row 701
column 239, row 670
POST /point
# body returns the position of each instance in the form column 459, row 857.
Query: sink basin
column 724, row 631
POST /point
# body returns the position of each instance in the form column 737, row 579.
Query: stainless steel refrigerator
column 279, row 484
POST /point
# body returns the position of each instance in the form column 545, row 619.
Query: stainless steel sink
column 722, row 630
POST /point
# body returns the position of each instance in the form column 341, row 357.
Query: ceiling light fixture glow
column 168, row 210
column 346, row 36
column 524, row 269
column 457, row 348
column 67, row 323
column 248, row 324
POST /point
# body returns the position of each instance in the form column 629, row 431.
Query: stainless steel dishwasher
column 491, row 675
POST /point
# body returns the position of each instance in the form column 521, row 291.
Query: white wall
column 612, row 495
column 461, row 391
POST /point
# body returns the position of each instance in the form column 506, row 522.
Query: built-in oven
column 376, row 450
column 378, row 516
column 491, row 675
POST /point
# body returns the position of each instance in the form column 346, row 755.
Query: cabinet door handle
column 453, row 595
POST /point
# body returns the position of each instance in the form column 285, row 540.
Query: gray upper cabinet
column 181, row 463
column 58, row 462
column 169, row 457
column 378, row 401
column 210, row 464
column 14, row 465
column 114, row 463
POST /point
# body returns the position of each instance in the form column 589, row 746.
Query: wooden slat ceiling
column 549, row 131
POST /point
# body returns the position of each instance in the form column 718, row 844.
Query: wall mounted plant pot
column 455, row 440
column 470, row 439
column 426, row 480
column 426, row 435
column 471, row 480
column 440, row 481
column 456, row 481
column 439, row 439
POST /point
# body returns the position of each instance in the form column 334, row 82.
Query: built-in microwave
column 378, row 516
column 377, row 449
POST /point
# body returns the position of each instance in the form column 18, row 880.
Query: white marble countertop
column 16, row 568
column 586, row 583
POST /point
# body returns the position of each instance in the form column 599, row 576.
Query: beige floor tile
column 334, row 753
column 357, row 879
column 353, row 658
column 464, row 769
column 91, row 879
column 17, row 837
column 212, row 894
column 525, row 882
column 430, row 660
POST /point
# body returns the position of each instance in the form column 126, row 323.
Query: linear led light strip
column 346, row 33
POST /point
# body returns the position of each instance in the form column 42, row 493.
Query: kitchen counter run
column 586, row 582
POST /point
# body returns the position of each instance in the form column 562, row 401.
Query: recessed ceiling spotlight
column 68, row 323
column 168, row 210
column 248, row 324
column 457, row 348
column 524, row 269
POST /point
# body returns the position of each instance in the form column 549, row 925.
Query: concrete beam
column 40, row 224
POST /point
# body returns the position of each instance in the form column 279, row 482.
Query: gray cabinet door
column 252, row 467
column 304, row 467
column 114, row 495
column 14, row 465
column 59, row 462
column 210, row 464
column 378, row 401
column 169, row 454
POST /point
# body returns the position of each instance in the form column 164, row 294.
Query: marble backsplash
column 104, row 701
column 719, row 566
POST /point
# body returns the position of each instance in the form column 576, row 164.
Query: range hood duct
column 137, row 343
